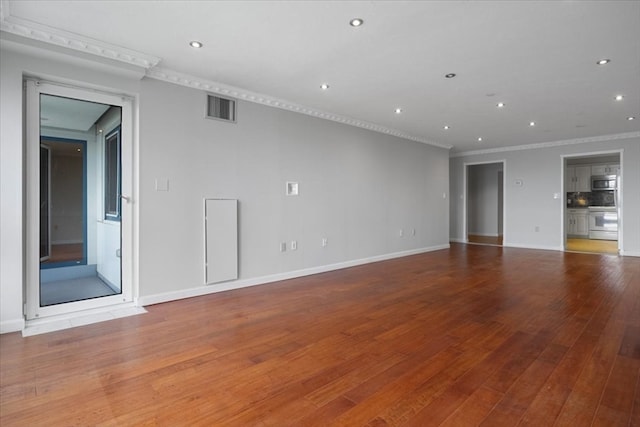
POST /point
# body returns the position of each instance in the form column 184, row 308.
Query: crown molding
column 54, row 36
column 602, row 138
column 182, row 79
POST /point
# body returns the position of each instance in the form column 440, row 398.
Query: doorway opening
column 592, row 215
column 484, row 204
column 78, row 160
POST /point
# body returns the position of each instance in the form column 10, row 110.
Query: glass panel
column 84, row 257
column 112, row 175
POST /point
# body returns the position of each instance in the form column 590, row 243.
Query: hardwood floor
column 67, row 252
column 474, row 335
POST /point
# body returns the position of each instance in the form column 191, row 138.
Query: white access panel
column 221, row 240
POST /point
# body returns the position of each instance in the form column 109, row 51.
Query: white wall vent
column 220, row 108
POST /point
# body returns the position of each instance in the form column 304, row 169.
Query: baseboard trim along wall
column 263, row 280
column 14, row 325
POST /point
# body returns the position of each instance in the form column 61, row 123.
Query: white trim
column 602, row 138
column 620, row 192
column 630, row 253
column 475, row 233
column 465, row 196
column 457, row 240
column 193, row 82
column 54, row 36
column 15, row 325
column 80, row 318
column 129, row 172
column 244, row 283
column 539, row 247
column 67, row 242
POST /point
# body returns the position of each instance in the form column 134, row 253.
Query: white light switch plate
column 162, row 184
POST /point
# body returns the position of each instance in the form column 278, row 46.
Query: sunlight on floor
column 594, row 246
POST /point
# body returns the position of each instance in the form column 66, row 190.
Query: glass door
column 75, row 187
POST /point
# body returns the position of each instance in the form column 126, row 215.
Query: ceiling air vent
column 221, row 108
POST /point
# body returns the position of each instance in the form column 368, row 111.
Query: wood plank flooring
column 471, row 336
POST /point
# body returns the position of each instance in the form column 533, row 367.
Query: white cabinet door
column 612, row 169
column 582, row 224
column 570, row 177
column 577, row 222
column 578, row 178
column 583, row 178
column 571, row 224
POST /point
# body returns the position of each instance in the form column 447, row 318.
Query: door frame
column 465, row 225
column 34, row 88
column 620, row 192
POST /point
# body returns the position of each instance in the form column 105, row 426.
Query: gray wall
column 533, row 203
column 357, row 188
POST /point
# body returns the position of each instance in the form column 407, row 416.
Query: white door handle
column 127, row 198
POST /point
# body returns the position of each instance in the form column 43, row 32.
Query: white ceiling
column 538, row 57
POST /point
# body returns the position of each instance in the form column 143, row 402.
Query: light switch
column 162, row 184
column 292, row 188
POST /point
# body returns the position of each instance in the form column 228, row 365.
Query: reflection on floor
column 63, row 253
column 593, row 246
column 485, row 240
column 62, row 291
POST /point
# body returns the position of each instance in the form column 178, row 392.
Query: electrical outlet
column 283, row 247
column 324, row 242
column 413, row 231
column 537, row 228
column 401, row 232
column 294, row 245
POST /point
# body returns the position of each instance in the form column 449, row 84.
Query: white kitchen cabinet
column 610, row 169
column 578, row 222
column 578, row 178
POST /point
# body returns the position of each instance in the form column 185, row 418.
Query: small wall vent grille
column 221, row 108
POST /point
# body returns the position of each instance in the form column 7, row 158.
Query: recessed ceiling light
column 195, row 44
column 356, row 22
column 631, row 118
column 619, row 97
column 532, row 124
column 603, row 61
column 480, row 139
column 398, row 110
column 78, row 150
column 324, row 86
column 446, row 127
column 500, row 104
column 450, row 75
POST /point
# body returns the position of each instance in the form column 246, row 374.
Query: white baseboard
column 540, row 247
column 475, row 233
column 14, row 325
column 630, row 253
column 66, row 242
column 458, row 240
column 244, row 283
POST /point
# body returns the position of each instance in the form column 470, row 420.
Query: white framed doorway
column 484, row 202
column 105, row 235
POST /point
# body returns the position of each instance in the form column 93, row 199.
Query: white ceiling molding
column 43, row 33
column 182, row 79
column 603, row 138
